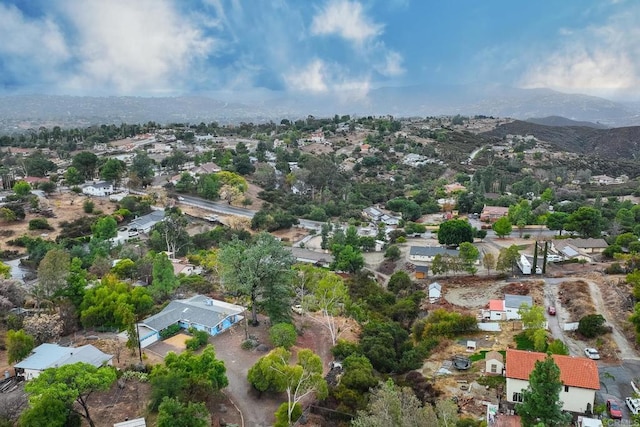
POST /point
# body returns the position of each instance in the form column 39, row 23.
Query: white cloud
column 392, row 65
column 142, row 46
column 319, row 77
column 346, row 19
column 603, row 60
column 30, row 46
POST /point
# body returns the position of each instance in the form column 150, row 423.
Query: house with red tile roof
column 493, row 213
column 579, row 377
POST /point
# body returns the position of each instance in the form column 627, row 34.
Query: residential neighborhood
column 197, row 243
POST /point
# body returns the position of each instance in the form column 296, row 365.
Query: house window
column 517, row 397
column 494, row 368
column 219, row 327
column 566, row 389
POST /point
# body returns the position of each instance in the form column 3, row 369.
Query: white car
column 297, row 309
column 633, row 405
column 554, row 258
column 592, row 353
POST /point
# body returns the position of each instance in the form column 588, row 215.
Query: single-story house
column 494, row 363
column 200, row 312
column 53, row 356
column 144, row 223
column 311, row 257
column 493, row 213
column 98, row 189
column 579, row 377
column 496, row 310
column 376, row 215
column 183, row 267
column 435, row 292
column 567, row 250
column 206, row 169
column 427, row 253
column 589, row 246
column 421, row 271
column 512, row 304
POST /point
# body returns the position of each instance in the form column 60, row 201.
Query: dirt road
column 625, row 350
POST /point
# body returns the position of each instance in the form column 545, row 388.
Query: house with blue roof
column 199, row 312
column 53, row 356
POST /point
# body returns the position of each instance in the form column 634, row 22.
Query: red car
column 613, row 408
column 552, row 310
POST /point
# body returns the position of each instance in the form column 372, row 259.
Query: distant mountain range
column 24, row 111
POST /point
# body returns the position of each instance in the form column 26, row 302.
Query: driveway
column 615, row 382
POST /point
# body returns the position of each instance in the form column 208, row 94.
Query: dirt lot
column 475, row 292
column 66, row 206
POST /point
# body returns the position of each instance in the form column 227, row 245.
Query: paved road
column 219, row 207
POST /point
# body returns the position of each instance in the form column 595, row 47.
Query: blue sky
column 244, row 48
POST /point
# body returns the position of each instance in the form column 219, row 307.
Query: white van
column 133, row 232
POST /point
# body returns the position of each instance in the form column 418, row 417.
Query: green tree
column 173, row 413
column 557, row 221
column 273, row 372
column 541, row 400
column 261, row 271
column 393, row 253
column 390, row 405
column 86, row 164
column 533, row 320
column 19, row 345
column 142, row 168
column 454, row 232
column 507, row 258
column 489, row 261
column 22, row 188
column 170, row 235
column 164, row 280
column 66, row 388
column 502, row 227
column 105, row 228
column 187, row 377
column 586, row 221
column 330, row 295
column 558, row 347
column 73, row 177
column 283, row 335
column 53, row 272
column 113, row 170
column 469, row 255
column 346, row 258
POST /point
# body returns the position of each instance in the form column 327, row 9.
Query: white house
column 53, row 356
column 200, row 312
column 494, row 363
column 99, row 189
column 427, row 253
column 579, row 377
column 512, row 304
column 435, row 292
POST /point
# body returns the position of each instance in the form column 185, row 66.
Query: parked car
column 633, row 405
column 554, row 258
column 592, row 353
column 613, row 408
column 297, row 309
column 180, row 198
column 551, row 310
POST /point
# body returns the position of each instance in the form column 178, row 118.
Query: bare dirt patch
column 475, row 292
column 575, row 297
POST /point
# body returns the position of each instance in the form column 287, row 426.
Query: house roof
column 307, row 255
column 422, row 269
column 515, row 301
column 138, row 422
column 436, row 286
column 495, row 210
column 574, row 371
column 101, row 184
column 431, row 251
column 147, row 220
column 588, row 243
column 52, row 355
column 496, row 305
column 198, row 309
column 494, row 355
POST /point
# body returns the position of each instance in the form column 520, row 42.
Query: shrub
column 88, row 206
column 282, row 418
column 592, row 325
column 39, row 224
column 199, row 339
column 170, row 331
column 249, row 344
column 283, row 335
